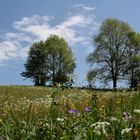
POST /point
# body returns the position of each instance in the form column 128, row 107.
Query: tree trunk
column 114, row 84
column 132, row 79
column 114, row 78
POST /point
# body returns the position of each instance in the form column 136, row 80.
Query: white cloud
column 79, row 20
column 8, row 50
column 35, row 20
column 84, row 7
column 41, row 29
column 17, row 36
column 77, row 28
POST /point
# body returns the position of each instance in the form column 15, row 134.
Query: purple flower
column 88, row 109
column 73, row 111
column 125, row 114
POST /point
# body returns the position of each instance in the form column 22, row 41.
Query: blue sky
column 26, row 21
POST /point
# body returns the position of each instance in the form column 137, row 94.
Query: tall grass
column 36, row 113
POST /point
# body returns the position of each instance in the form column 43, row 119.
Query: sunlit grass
column 42, row 113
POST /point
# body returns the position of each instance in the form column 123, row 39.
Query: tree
column 60, row 61
column 35, row 66
column 49, row 61
column 109, row 56
column 91, row 77
column 133, row 66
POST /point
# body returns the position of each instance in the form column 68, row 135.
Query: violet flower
column 127, row 116
column 73, row 111
column 88, row 109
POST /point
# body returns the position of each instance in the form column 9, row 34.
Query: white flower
column 113, row 119
column 137, row 111
column 60, row 119
column 126, row 130
column 100, row 127
column 101, row 123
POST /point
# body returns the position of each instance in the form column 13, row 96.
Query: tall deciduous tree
column 49, row 61
column 35, row 66
column 60, row 61
column 110, row 53
column 133, row 63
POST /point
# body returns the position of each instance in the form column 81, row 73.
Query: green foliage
column 60, row 60
column 133, row 63
column 49, row 61
column 91, row 77
column 39, row 113
column 35, row 66
column 110, row 53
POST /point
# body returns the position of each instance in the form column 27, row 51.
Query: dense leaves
column 111, row 55
column 59, row 60
column 133, row 63
column 35, row 66
column 49, row 61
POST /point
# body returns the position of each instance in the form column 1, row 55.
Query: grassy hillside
column 42, row 113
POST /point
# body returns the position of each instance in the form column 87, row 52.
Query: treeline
column 116, row 56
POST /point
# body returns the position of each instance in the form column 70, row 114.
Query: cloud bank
column 76, row 29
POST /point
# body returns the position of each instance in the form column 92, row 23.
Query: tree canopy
column 133, row 63
column 110, row 56
column 49, row 61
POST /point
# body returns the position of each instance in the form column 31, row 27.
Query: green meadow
column 43, row 113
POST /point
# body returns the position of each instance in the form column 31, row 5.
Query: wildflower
column 126, row 130
column 100, row 127
column 137, row 111
column 88, row 109
column 127, row 116
column 113, row 119
column 73, row 111
column 60, row 119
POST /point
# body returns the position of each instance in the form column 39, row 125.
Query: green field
column 43, row 113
